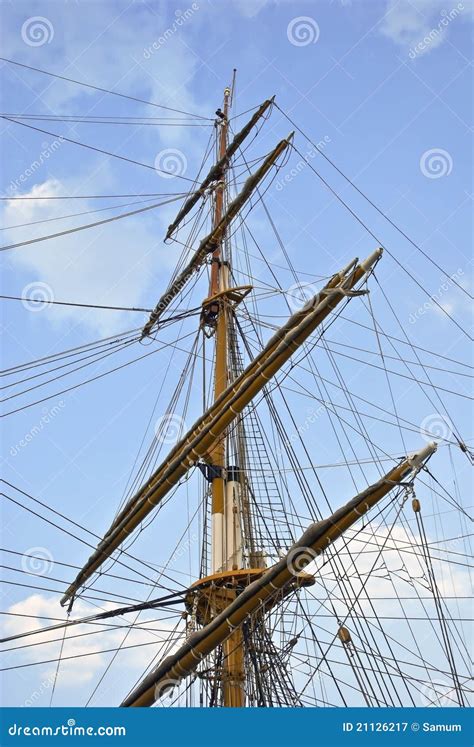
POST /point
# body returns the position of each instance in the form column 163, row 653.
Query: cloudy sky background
column 361, row 83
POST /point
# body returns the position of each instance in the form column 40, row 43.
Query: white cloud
column 109, row 265
column 143, row 50
column 399, row 569
column 117, row 263
column 77, row 676
column 410, row 22
column 108, row 51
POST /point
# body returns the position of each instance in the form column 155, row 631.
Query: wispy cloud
column 113, row 264
column 411, row 22
column 109, row 265
column 108, row 51
column 75, row 673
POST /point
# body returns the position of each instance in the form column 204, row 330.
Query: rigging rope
column 381, row 212
column 99, row 88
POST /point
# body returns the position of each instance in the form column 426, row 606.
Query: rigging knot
column 409, row 494
column 218, row 182
column 344, row 292
column 465, row 449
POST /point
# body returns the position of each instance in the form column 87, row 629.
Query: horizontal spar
column 197, row 443
column 209, row 242
column 254, row 597
column 217, row 170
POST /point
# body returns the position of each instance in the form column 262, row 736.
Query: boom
column 216, row 172
column 198, row 442
column 259, row 593
column 209, row 243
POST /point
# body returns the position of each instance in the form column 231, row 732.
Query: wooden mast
column 271, row 585
column 223, row 540
column 197, row 443
column 217, row 315
column 207, row 440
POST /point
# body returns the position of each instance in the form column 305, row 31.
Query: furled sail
column 209, row 242
column 312, row 543
column 198, row 441
column 216, row 172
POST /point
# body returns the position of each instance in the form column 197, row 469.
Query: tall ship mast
column 280, row 613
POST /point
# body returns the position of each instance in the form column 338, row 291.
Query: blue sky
column 384, row 85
